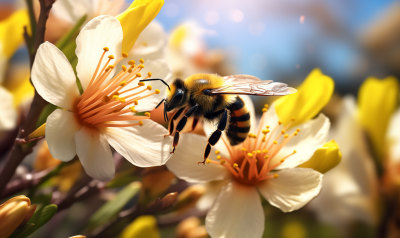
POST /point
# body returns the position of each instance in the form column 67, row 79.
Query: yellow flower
column 313, row 94
column 325, row 158
column 13, row 213
column 377, row 101
column 133, row 20
column 11, row 37
column 141, row 227
column 11, row 32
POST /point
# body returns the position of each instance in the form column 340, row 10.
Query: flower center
column 111, row 102
column 256, row 159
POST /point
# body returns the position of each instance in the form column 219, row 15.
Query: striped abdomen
column 239, row 122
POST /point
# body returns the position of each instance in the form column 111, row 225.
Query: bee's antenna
column 160, row 102
column 143, row 80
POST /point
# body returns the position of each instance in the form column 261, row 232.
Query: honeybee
column 214, row 97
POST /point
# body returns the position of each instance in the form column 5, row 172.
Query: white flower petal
column 95, row 154
column 102, row 31
column 237, row 212
column 60, row 134
column 151, row 42
column 250, row 106
column 212, row 190
column 8, row 117
column 394, row 137
column 350, row 190
column 72, row 10
column 160, row 70
column 53, row 76
column 292, row 189
column 313, row 134
column 190, row 151
column 269, row 118
column 143, row 146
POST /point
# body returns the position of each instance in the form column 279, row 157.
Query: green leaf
column 112, row 207
column 41, row 217
column 123, row 178
column 47, row 110
column 71, row 35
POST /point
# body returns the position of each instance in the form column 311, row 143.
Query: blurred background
column 283, row 40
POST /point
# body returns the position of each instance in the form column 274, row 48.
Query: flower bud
column 189, row 197
column 13, row 213
column 191, row 228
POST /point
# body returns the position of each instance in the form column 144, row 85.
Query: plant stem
column 19, row 150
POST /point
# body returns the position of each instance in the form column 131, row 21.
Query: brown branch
column 19, row 151
column 27, row 181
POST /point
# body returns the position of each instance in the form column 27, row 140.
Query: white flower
column 350, row 189
column 105, row 114
column 266, row 163
column 151, row 42
column 8, row 116
column 72, row 10
column 394, row 138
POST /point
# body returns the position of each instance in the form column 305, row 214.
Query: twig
column 93, row 188
column 19, row 151
column 27, row 181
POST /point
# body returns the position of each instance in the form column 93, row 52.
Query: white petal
column 313, row 134
column 237, row 212
column 60, row 134
column 53, row 76
column 350, row 190
column 72, row 10
column 292, row 189
column 250, row 106
column 8, row 116
column 269, row 118
column 212, row 190
column 394, row 137
column 190, row 151
column 95, row 154
column 159, row 69
column 102, row 31
column 143, row 146
column 151, row 42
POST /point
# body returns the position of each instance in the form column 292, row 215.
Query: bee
column 214, row 97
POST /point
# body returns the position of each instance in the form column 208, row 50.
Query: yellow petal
column 178, row 35
column 11, row 32
column 312, row 95
column 40, row 131
column 377, row 100
column 134, row 19
column 141, row 227
column 325, row 158
column 22, row 92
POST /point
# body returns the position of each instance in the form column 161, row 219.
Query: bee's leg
column 181, row 125
column 194, row 124
column 216, row 135
column 171, row 122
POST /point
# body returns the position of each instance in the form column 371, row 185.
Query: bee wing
column 254, row 87
column 242, row 78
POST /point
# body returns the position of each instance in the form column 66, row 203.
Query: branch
column 19, row 151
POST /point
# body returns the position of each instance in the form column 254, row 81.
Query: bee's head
column 177, row 95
